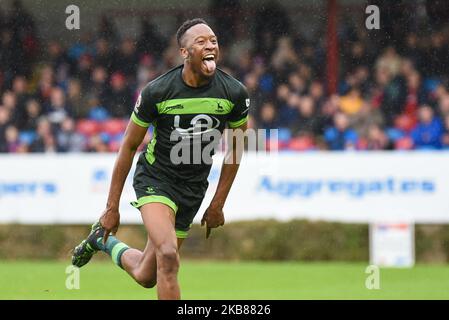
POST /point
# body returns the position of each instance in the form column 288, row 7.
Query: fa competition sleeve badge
column 137, row 105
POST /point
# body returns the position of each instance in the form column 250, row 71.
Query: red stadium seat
column 362, row 144
column 404, row 122
column 114, row 126
column 301, row 143
column 88, row 127
column 405, row 143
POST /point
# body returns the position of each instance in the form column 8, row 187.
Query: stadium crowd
column 392, row 89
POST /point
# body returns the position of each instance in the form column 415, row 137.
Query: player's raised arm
column 134, row 134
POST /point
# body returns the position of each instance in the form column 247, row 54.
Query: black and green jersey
column 184, row 114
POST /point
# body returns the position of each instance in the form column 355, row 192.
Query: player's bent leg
column 159, row 220
column 142, row 266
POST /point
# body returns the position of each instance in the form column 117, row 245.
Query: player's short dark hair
column 186, row 26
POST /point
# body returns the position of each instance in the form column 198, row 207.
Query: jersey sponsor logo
column 177, row 106
column 137, row 105
column 200, row 124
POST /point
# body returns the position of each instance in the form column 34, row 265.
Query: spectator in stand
column 9, row 51
column 19, row 87
column 45, row 84
column 226, row 14
column 107, row 29
column 33, row 113
column 9, row 101
column 435, row 94
column 389, row 61
column 150, row 41
column 289, row 111
column 271, row 23
column 443, row 106
column 80, row 47
column 45, row 141
column 76, row 100
column 282, row 94
column 284, row 57
column 58, row 109
column 341, row 136
column 268, row 116
column 328, row 111
column 98, row 84
column 415, row 96
column 96, row 110
column 119, row 101
column 352, row 102
column 251, row 82
column 357, row 56
column 4, row 122
column 68, row 140
column 308, row 121
column 104, row 57
column 366, row 118
column 316, row 92
column 84, row 70
column 170, row 57
column 445, row 136
column 97, row 144
column 56, row 55
column 12, row 139
column 297, row 83
column 125, row 61
column 429, row 130
column 391, row 84
column 377, row 139
column 437, row 55
column 412, row 50
column 240, row 49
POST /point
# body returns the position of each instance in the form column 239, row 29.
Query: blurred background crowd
column 392, row 90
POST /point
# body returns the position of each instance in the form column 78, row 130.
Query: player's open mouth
column 209, row 62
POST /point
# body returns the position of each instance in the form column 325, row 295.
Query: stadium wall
column 348, row 187
column 294, row 240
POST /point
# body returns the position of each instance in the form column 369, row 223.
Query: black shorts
column 183, row 197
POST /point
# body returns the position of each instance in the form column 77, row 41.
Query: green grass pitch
column 227, row 280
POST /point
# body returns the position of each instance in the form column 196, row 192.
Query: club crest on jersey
column 219, row 108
